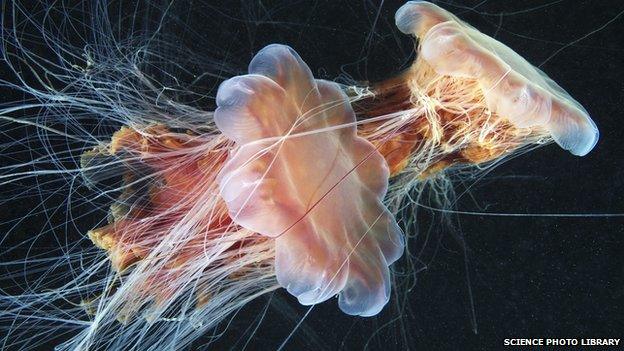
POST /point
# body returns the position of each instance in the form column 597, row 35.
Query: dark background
column 509, row 272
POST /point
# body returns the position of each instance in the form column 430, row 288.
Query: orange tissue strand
column 178, row 171
column 427, row 104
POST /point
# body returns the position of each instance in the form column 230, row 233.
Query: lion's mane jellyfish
column 291, row 183
column 295, row 182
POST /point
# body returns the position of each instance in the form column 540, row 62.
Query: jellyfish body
column 301, row 175
column 303, row 186
column 512, row 87
column 298, row 183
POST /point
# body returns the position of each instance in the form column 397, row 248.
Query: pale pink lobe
column 513, row 88
column 301, row 175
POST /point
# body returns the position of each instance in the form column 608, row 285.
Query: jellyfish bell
column 452, row 56
column 301, row 175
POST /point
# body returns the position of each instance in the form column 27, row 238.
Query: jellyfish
column 295, row 182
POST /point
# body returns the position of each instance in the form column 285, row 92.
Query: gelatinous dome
column 513, row 88
column 301, row 175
